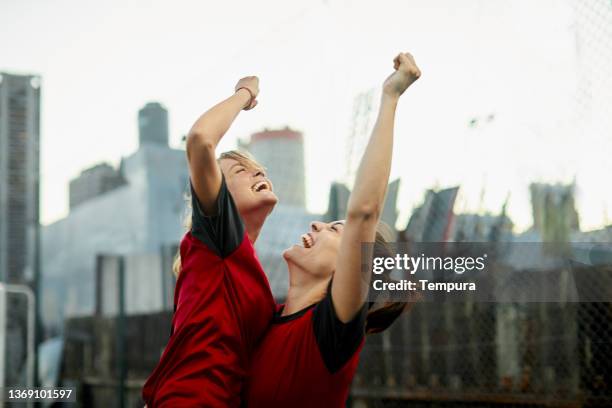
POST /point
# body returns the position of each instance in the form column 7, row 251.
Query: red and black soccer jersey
column 307, row 359
column 223, row 305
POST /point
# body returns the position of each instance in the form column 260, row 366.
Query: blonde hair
column 242, row 157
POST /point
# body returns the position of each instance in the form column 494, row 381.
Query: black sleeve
column 222, row 232
column 337, row 341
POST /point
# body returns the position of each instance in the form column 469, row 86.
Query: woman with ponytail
column 309, row 356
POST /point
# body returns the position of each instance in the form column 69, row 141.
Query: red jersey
column 307, row 359
column 223, row 305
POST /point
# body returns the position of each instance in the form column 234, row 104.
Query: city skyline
column 275, row 133
column 91, row 91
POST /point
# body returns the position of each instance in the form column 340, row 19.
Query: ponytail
column 176, row 263
column 379, row 318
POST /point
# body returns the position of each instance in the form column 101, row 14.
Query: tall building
column 281, row 152
column 19, row 176
column 433, row 220
column 142, row 219
column 153, row 124
column 339, row 195
column 554, row 211
column 93, row 182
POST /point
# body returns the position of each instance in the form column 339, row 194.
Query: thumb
column 396, row 62
column 252, row 105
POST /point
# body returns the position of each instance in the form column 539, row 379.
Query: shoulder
column 222, row 232
column 337, row 341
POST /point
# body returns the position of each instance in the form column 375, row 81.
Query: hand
column 406, row 72
column 252, row 84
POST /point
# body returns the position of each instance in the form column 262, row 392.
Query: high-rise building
column 19, row 176
column 153, row 124
column 554, row 211
column 93, row 182
column 281, row 152
column 432, row 221
column 339, row 195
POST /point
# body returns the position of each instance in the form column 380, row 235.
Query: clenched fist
column 406, row 72
column 251, row 83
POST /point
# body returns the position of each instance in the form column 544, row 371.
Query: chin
column 265, row 199
column 287, row 254
column 269, row 198
column 262, row 204
column 290, row 252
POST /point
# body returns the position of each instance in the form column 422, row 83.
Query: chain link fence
column 490, row 354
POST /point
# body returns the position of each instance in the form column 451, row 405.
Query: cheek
column 244, row 201
column 241, row 184
column 240, row 190
column 332, row 247
column 326, row 260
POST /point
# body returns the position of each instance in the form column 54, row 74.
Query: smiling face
column 317, row 252
column 248, row 185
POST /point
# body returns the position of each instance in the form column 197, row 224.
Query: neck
column 304, row 290
column 252, row 231
column 254, row 221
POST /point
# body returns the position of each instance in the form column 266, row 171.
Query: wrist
column 392, row 98
column 246, row 95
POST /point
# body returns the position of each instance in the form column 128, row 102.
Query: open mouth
column 260, row 186
column 307, row 240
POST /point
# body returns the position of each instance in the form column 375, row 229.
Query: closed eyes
column 335, row 227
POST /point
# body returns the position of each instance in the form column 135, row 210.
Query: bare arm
column 205, row 135
column 350, row 284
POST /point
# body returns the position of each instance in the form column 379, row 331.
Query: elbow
column 364, row 212
column 200, row 141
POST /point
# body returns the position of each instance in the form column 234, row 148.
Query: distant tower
column 338, row 199
column 339, row 195
column 19, row 176
column 358, row 137
column 554, row 211
column 281, row 152
column 153, row 124
column 433, row 220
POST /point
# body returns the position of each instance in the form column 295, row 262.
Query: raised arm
column 205, row 135
column 350, row 283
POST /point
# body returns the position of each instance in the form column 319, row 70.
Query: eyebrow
column 247, row 167
column 236, row 164
column 338, row 222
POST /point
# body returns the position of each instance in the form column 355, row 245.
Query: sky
column 529, row 72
